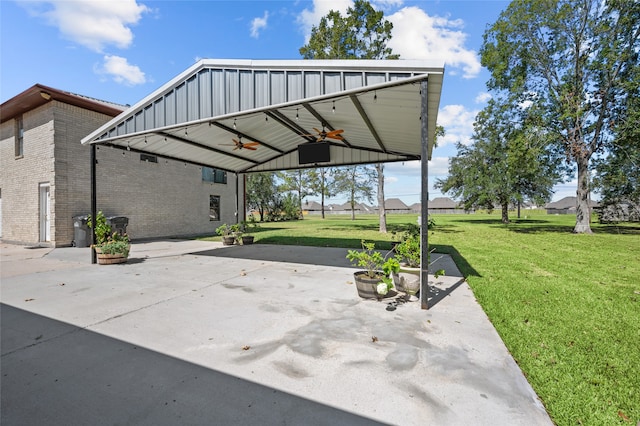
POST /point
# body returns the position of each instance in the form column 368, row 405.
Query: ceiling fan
column 238, row 144
column 331, row 134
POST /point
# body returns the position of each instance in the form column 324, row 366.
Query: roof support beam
column 203, row 146
column 368, row 122
column 289, row 124
column 321, row 119
column 243, row 135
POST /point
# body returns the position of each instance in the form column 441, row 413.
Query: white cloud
column 417, row 35
column 258, row 24
column 121, row 71
column 309, row 18
column 482, row 97
column 457, row 121
column 93, row 24
column 390, row 179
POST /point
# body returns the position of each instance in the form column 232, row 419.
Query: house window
column 214, row 207
column 19, row 137
column 213, row 175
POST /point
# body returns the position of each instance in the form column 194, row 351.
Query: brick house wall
column 163, row 199
column 21, row 176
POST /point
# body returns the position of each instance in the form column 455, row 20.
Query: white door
column 45, row 213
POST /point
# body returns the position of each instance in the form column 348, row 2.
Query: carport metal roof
column 195, row 116
column 387, row 110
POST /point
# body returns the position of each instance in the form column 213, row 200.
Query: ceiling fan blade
column 249, row 147
column 334, row 132
column 246, row 144
column 319, row 132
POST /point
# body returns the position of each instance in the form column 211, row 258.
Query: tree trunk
column 322, row 190
column 300, row 215
column 353, row 206
column 505, row 212
column 583, row 209
column 381, row 209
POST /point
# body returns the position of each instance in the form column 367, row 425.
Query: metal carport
column 387, row 109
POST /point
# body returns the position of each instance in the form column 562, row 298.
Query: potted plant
column 110, row 247
column 248, row 228
column 226, row 232
column 372, row 282
column 408, row 253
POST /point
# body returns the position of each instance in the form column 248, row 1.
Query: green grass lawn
column 567, row 306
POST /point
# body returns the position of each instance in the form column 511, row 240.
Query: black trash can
column 81, row 232
column 118, row 224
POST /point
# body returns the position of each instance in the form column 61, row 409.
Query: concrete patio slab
column 192, row 332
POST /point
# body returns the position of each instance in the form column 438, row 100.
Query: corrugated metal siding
column 246, row 96
column 218, row 91
column 205, row 94
column 261, row 84
column 294, row 86
column 232, row 80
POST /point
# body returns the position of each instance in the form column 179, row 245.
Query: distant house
column 622, row 212
column 395, row 205
column 346, row 208
column 416, row 208
column 445, row 205
column 314, row 208
column 567, row 205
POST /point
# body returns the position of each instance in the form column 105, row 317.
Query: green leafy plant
column 224, row 230
column 368, row 258
column 107, row 241
column 408, row 250
column 375, row 265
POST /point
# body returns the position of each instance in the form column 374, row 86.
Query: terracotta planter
column 228, row 240
column 110, row 259
column 247, row 239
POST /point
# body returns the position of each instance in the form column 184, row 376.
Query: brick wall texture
column 163, row 199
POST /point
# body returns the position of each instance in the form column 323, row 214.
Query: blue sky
column 121, row 51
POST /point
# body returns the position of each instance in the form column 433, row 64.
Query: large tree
column 356, row 182
column 299, row 182
column 262, row 192
column 618, row 174
column 321, row 182
column 507, row 163
column 570, row 58
column 362, row 33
